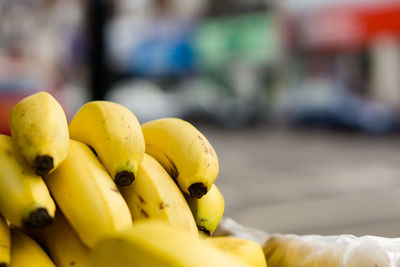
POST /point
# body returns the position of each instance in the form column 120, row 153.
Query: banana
column 184, row 152
column 208, row 210
column 154, row 244
column 40, row 129
column 25, row 200
column 87, row 196
column 247, row 250
column 26, row 252
column 62, row 243
column 154, row 195
column 114, row 133
column 5, row 242
column 290, row 251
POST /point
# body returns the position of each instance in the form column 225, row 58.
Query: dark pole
column 98, row 79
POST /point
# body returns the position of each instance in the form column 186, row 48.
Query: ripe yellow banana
column 87, row 196
column 115, row 134
column 25, row 200
column 26, row 252
column 5, row 242
column 40, row 129
column 63, row 244
column 184, row 152
column 155, row 244
column 154, row 195
column 208, row 210
column 293, row 251
column 247, row 250
column 288, row 252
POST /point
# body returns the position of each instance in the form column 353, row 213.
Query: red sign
column 349, row 26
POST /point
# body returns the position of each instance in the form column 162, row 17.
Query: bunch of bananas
column 107, row 191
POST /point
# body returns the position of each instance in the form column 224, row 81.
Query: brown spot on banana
column 163, row 205
column 204, row 230
column 114, row 189
column 144, row 213
column 172, row 170
column 141, row 199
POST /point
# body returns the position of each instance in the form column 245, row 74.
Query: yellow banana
column 5, row 242
column 184, row 152
column 26, row 252
column 40, row 129
column 286, row 252
column 63, row 244
column 154, row 195
column 115, row 134
column 154, row 244
column 208, row 210
column 87, row 196
column 291, row 251
column 25, row 200
column 247, row 250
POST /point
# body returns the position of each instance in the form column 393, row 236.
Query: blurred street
column 306, row 182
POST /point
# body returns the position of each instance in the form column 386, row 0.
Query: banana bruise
column 39, row 128
column 247, row 250
column 208, row 210
column 154, row 244
column 26, row 252
column 184, row 152
column 154, row 195
column 114, row 133
column 25, row 200
column 5, row 243
column 87, row 196
column 62, row 243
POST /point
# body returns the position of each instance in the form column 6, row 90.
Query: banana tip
column 43, row 164
column 3, row 264
column 197, row 190
column 124, row 178
column 204, row 230
column 38, row 218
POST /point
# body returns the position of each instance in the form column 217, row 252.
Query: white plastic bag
column 319, row 251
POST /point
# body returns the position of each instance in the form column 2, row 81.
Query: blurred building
column 344, row 62
column 214, row 59
column 234, row 62
column 42, row 47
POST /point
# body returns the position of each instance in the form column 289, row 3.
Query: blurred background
column 300, row 98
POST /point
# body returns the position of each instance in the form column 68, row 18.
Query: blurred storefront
column 42, row 47
column 234, row 63
column 203, row 60
column 344, row 63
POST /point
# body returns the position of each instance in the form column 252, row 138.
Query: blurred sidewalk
column 310, row 182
